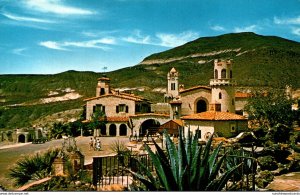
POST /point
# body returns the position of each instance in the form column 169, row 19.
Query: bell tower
column 223, row 92
column 103, row 87
column 173, row 86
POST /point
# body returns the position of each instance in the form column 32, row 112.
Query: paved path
column 286, row 182
column 10, row 154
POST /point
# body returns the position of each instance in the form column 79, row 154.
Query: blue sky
column 52, row 36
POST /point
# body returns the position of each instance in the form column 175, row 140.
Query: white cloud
column 162, row 39
column 98, row 44
column 296, row 31
column 19, row 51
column 52, row 45
column 174, row 40
column 25, row 19
column 218, row 28
column 295, row 21
column 138, row 38
column 98, row 33
column 55, row 7
column 246, row 29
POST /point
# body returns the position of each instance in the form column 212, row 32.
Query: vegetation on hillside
column 262, row 61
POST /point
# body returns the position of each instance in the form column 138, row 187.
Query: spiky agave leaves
column 33, row 167
column 185, row 167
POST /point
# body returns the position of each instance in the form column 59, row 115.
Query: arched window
column 201, row 106
column 103, row 129
column 216, row 74
column 21, row 138
column 112, row 130
column 123, row 130
column 220, row 95
column 223, row 74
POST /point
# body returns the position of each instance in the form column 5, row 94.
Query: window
column 232, row 128
column 98, row 107
column 138, row 108
column 102, row 91
column 231, row 74
column 199, row 133
column 220, row 95
column 216, row 74
column 223, row 74
column 218, row 107
column 172, row 86
column 122, row 108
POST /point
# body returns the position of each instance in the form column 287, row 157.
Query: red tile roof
column 214, row 116
column 179, row 122
column 117, row 119
column 129, row 97
column 194, row 88
column 150, row 114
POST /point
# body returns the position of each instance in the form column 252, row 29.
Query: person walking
column 98, row 145
column 91, row 144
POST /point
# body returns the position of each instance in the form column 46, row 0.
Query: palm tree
column 34, row 167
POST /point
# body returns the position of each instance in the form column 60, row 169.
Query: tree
column 98, row 118
column 271, row 111
column 34, row 167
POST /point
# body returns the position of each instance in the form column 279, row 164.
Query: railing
column 110, row 170
column 222, row 82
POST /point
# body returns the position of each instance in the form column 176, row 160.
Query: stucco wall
column 110, row 104
column 204, row 126
column 189, row 100
column 221, row 128
column 227, row 93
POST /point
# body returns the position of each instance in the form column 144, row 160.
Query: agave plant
column 188, row 167
column 33, row 167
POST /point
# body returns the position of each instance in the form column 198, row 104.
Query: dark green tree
column 98, row 118
column 272, row 112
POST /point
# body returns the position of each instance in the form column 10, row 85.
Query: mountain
column 258, row 61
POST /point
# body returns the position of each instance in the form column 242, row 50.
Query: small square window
column 232, row 128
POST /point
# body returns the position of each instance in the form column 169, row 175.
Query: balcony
column 222, row 82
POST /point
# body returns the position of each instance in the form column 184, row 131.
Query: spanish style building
column 208, row 109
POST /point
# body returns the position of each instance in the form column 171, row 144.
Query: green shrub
column 34, row 167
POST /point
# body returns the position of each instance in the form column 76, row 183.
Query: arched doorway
column 21, row 138
column 123, row 130
column 149, row 126
column 201, row 106
column 103, row 129
column 112, row 130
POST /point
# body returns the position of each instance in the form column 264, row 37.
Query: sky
column 53, row 36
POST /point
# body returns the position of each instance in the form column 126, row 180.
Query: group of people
column 95, row 144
